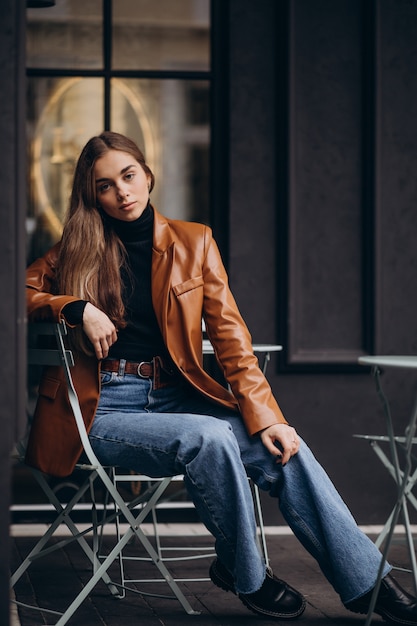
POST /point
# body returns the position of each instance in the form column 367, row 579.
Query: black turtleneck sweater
column 141, row 339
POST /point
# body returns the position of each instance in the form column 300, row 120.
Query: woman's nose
column 122, row 193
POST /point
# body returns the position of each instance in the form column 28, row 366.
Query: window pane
column 161, row 34
column 62, row 115
column 169, row 119
column 67, row 35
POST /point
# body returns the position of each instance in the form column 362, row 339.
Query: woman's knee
column 215, row 439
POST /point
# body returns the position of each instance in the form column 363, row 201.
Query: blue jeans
column 174, row 430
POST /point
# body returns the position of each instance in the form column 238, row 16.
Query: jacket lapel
column 162, row 262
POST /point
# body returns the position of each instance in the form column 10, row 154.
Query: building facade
column 287, row 125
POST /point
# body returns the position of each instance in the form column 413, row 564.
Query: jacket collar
column 162, row 235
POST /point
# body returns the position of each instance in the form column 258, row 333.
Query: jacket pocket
column 188, row 285
column 49, row 387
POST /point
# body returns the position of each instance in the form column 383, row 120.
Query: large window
column 139, row 67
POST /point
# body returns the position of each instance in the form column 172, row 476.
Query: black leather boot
column 275, row 598
column 394, row 604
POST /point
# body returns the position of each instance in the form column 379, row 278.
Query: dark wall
column 12, row 256
column 323, row 151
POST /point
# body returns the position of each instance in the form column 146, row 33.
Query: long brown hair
column 91, row 254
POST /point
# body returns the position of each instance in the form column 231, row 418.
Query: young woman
column 135, row 286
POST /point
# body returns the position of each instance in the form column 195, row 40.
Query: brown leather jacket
column 188, row 282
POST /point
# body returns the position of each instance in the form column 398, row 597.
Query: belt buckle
column 139, row 366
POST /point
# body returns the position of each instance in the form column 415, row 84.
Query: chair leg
column 191, row 553
column 202, row 552
column 258, row 508
column 63, row 517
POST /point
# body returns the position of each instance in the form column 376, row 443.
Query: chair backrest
column 56, row 353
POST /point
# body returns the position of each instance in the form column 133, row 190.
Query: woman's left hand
column 99, row 329
column 287, row 439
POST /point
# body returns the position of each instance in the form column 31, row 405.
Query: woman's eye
column 130, row 175
column 104, row 187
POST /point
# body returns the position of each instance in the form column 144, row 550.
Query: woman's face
column 122, row 187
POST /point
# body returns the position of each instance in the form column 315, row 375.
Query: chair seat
column 407, row 362
column 398, row 439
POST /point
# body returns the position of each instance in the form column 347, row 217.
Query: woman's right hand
column 99, row 329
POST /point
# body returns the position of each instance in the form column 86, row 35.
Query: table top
column 409, row 362
column 257, row 347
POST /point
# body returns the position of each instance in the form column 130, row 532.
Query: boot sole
column 225, row 585
column 386, row 616
column 265, row 613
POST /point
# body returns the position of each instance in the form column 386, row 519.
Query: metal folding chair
column 127, row 515
column 133, row 517
column 400, row 463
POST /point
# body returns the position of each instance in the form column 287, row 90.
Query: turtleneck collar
column 132, row 231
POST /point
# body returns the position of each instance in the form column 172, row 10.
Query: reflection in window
column 175, row 143
column 66, row 113
column 156, row 114
column 67, row 35
column 162, row 34
column 167, row 115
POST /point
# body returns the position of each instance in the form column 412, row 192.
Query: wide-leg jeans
column 173, row 430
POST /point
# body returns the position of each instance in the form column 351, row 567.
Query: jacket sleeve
column 43, row 304
column 232, row 344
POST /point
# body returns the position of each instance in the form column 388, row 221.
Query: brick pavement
column 53, row 580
